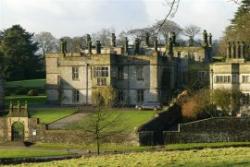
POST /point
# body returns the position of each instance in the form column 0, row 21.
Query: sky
column 78, row 17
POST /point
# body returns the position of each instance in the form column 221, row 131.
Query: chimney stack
column 63, row 47
column 173, row 36
column 113, row 40
column 229, row 48
column 98, row 47
column 243, row 49
column 137, row 45
column 170, row 47
column 147, row 36
column 89, row 43
column 210, row 41
column 156, row 44
column 205, row 41
column 126, row 45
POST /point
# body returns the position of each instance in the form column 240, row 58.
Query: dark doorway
column 17, row 132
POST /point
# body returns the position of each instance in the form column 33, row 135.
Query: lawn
column 29, row 152
column 28, row 99
column 34, row 83
column 192, row 158
column 49, row 115
column 126, row 119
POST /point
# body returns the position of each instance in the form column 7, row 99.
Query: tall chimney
column 113, row 40
column 229, row 48
column 243, row 49
column 156, row 44
column 63, row 47
column 238, row 50
column 126, row 45
column 170, row 47
column 173, row 36
column 233, row 50
column 205, row 42
column 210, row 40
column 137, row 45
column 89, row 43
column 98, row 47
column 147, row 36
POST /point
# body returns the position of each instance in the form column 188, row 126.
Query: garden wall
column 226, row 129
column 80, row 137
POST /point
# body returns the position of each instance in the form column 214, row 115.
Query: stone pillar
column 137, row 45
column 126, row 45
column 147, row 36
column 233, row 50
column 156, row 44
column 242, row 49
column 89, row 43
column 229, row 48
column 63, row 47
column 170, row 47
column 205, row 42
column 98, row 47
column 210, row 41
column 173, row 36
column 238, row 50
column 113, row 40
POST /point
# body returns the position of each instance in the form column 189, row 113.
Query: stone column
column 242, row 49
column 233, row 50
column 113, row 40
column 126, row 45
column 98, row 47
column 137, row 45
column 229, row 48
column 156, row 44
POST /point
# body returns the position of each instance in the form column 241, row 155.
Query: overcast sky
column 78, row 17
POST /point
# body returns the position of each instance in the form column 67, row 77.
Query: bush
column 21, row 91
column 32, row 92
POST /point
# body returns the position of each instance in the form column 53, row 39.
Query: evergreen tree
column 18, row 47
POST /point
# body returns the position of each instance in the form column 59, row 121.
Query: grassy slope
column 34, row 83
column 48, row 115
column 28, row 152
column 126, row 119
column 206, row 157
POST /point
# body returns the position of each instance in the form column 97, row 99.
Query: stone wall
column 80, row 137
column 227, row 129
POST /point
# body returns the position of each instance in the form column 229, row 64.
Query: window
column 120, row 75
column 101, row 81
column 139, row 72
column 140, row 96
column 75, row 73
column 223, row 79
column 101, row 72
column 120, row 96
column 76, row 96
column 245, row 79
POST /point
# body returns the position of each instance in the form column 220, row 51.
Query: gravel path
column 60, row 124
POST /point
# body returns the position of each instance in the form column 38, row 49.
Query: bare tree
column 104, row 36
column 191, row 30
column 47, row 42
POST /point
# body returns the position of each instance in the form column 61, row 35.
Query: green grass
column 34, row 83
column 192, row 158
column 125, row 119
column 29, row 99
column 49, row 115
column 28, row 152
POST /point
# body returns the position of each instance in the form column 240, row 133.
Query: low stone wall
column 80, row 137
column 227, row 129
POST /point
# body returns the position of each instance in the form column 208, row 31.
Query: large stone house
column 234, row 73
column 139, row 74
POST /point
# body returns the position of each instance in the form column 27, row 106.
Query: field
column 125, row 119
column 48, row 115
column 28, row 152
column 192, row 158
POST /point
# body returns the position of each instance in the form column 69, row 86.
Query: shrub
column 21, row 91
column 32, row 92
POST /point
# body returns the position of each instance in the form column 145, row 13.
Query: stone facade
column 234, row 73
column 140, row 74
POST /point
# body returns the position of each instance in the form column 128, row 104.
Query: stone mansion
column 139, row 73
